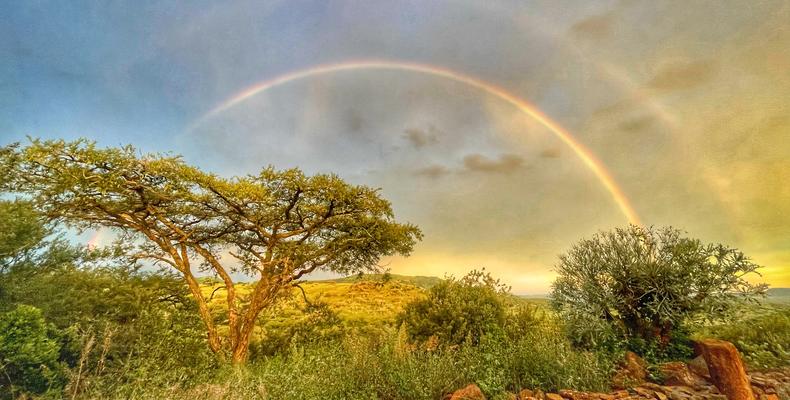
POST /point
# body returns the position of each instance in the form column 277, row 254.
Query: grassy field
column 367, row 303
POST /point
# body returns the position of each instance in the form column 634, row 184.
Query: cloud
column 678, row 75
column 553, row 152
column 506, row 163
column 432, row 171
column 595, row 27
column 636, row 124
column 420, row 138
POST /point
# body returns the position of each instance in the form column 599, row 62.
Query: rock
column 678, row 374
column 471, row 392
column 699, row 367
column 620, row 394
column 524, row 393
column 726, row 369
column 553, row 396
column 632, row 372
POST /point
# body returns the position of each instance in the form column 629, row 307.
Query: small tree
column 457, row 310
column 29, row 352
column 278, row 225
column 645, row 283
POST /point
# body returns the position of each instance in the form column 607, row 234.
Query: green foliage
column 457, row 311
column 29, row 354
column 21, row 232
column 382, row 367
column 642, row 284
column 278, row 225
column 762, row 336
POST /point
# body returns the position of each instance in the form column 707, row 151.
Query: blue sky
column 685, row 103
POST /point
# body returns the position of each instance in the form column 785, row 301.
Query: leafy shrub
column 29, row 352
column 643, row 284
column 457, row 311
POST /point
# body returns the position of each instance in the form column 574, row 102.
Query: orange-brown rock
column 699, row 367
column 471, row 392
column 632, row 372
column 677, row 373
column 726, row 369
column 525, row 393
column 553, row 396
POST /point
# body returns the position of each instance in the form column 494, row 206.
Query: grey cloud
column 420, row 138
column 432, row 171
column 682, row 75
column 595, row 27
column 506, row 163
column 637, row 124
column 553, row 152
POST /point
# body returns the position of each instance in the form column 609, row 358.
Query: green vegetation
column 457, row 311
column 30, row 353
column 762, row 335
column 645, row 286
column 85, row 324
column 278, row 225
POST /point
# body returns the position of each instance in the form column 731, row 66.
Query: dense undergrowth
column 143, row 342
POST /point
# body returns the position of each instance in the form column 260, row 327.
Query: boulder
column 553, row 396
column 632, row 372
column 678, row 374
column 471, row 392
column 525, row 393
column 726, row 369
column 699, row 367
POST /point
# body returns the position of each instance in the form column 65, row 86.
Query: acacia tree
column 645, row 282
column 278, row 226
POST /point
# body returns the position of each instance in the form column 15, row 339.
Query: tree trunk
column 214, row 341
column 263, row 296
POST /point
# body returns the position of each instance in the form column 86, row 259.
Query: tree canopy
column 277, row 226
column 646, row 282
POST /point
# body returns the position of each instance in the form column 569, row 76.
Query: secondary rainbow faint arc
column 587, row 157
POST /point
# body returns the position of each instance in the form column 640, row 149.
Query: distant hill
column 778, row 295
column 424, row 282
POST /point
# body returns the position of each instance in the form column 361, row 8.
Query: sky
column 683, row 106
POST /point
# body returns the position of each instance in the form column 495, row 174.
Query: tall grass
column 762, row 336
column 384, row 367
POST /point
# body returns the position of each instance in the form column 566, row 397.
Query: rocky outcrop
column 726, row 369
column 471, row 392
column 717, row 375
column 632, row 372
column 678, row 373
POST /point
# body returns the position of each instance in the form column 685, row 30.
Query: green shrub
column 29, row 352
column 644, row 285
column 456, row 311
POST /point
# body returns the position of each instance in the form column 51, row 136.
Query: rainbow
column 96, row 239
column 582, row 152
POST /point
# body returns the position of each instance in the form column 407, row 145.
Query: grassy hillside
column 363, row 305
column 366, row 303
column 778, row 295
column 425, row 282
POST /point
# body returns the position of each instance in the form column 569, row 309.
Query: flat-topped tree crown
column 280, row 225
column 290, row 222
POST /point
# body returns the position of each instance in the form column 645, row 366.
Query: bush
column 643, row 285
column 457, row 311
column 29, row 352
